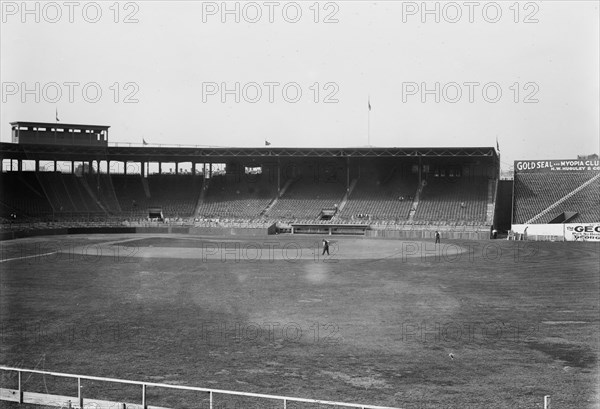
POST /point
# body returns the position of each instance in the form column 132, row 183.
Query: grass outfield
column 375, row 323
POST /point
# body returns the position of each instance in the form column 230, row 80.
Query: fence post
column 210, row 400
column 547, row 402
column 284, row 403
column 144, row 406
column 79, row 393
column 20, row 389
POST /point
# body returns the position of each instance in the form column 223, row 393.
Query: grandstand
column 385, row 188
column 544, row 195
column 554, row 198
column 536, row 192
column 380, row 186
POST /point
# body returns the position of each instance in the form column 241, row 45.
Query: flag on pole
column 144, row 141
column 497, row 145
column 369, row 103
column 267, row 143
column 57, row 120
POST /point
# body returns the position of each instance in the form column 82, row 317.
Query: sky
column 303, row 74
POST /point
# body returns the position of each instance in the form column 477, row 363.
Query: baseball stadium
column 154, row 276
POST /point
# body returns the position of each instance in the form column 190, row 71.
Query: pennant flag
column 144, row 141
column 267, row 143
column 57, row 120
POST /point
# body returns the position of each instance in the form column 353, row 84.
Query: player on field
column 325, row 247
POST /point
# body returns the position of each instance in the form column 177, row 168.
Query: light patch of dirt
column 366, row 382
column 563, row 322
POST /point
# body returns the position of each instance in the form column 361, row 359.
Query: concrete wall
column 428, row 234
column 206, row 231
column 237, row 231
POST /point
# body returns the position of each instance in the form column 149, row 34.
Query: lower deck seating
column 586, row 203
column 534, row 192
column 376, row 201
column 132, row 197
column 227, row 197
column 22, row 194
column 177, row 195
column 453, row 200
column 305, row 199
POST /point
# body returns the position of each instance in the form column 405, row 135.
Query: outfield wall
column 199, row 231
column 429, row 234
column 559, row 231
column 236, row 231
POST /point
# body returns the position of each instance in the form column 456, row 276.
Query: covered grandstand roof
column 59, row 125
column 182, row 153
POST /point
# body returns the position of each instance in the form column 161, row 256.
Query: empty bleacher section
column 306, row 197
column 234, row 196
column 374, row 198
column 536, row 192
column 101, row 187
column 177, row 195
column 453, row 199
column 67, row 194
column 22, row 194
column 131, row 195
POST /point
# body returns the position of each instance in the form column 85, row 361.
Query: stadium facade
column 69, row 172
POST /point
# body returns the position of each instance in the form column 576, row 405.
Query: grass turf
column 521, row 322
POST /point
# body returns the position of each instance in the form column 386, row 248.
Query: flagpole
column 56, row 126
column 369, row 122
column 369, row 128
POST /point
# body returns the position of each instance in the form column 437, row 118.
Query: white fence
column 79, row 401
column 558, row 231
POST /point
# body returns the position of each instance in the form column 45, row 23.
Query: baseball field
column 407, row 324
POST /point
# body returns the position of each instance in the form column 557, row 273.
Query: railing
column 159, row 145
column 20, row 396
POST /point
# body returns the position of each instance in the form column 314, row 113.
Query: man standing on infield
column 325, row 247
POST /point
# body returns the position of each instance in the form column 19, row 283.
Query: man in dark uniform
column 325, row 247
column 437, row 237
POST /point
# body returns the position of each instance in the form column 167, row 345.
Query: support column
column 73, row 167
column 37, row 165
column 19, row 165
column 108, row 167
column 54, row 166
column 210, row 170
column 160, row 168
column 144, row 404
column 193, row 169
column 143, row 168
column 79, row 393
column 348, row 174
column 278, row 177
column 20, row 388
column 177, row 168
column 124, row 167
column 420, row 169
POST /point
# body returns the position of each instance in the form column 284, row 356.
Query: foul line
column 24, row 257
